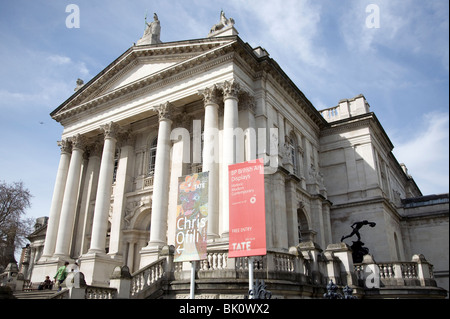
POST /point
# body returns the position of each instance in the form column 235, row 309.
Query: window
column 302, row 226
column 116, row 164
column 292, row 149
column 152, row 157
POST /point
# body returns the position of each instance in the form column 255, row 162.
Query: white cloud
column 291, row 25
column 51, row 81
column 426, row 154
column 407, row 26
column 59, row 59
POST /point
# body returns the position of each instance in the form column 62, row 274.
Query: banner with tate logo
column 247, row 209
column 192, row 218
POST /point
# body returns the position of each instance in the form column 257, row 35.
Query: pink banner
column 247, row 209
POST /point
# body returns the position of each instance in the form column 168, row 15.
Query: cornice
column 200, row 55
column 347, row 124
column 260, row 67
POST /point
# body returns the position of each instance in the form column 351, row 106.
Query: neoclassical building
column 165, row 110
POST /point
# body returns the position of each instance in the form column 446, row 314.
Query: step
column 35, row 294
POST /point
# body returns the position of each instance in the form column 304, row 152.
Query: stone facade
column 163, row 111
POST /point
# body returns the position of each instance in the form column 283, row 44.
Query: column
column 161, row 180
column 57, row 200
column 88, row 197
column 247, row 108
column 69, row 204
column 103, row 199
column 123, row 181
column 130, row 255
column 230, row 123
column 211, row 156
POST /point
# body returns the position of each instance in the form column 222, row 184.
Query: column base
column 48, row 266
column 98, row 268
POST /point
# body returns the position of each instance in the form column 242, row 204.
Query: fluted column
column 211, row 156
column 89, row 191
column 161, row 179
column 57, row 200
column 103, row 198
column 69, row 204
column 230, row 123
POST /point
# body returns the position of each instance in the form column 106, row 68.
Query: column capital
column 78, row 142
column 126, row 138
column 95, row 149
column 65, row 145
column 230, row 89
column 247, row 102
column 210, row 95
column 183, row 120
column 165, row 111
column 110, row 130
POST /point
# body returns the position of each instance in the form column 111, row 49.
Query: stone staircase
column 35, row 294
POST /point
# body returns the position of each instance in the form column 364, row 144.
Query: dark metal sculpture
column 356, row 227
column 259, row 291
column 358, row 249
column 332, row 292
column 348, row 293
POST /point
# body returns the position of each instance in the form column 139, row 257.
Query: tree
column 14, row 200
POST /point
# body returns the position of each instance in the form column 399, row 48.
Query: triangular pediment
column 41, row 231
column 139, row 64
column 138, row 72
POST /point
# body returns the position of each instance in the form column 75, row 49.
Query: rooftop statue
column 224, row 22
column 152, row 31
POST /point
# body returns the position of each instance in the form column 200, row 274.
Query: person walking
column 61, row 275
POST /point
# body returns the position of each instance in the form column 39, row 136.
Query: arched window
column 302, row 224
column 152, row 157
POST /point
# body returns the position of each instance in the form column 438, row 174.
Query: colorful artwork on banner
column 247, row 209
column 192, row 218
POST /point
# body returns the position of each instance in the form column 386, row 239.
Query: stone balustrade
column 306, row 264
column 93, row 292
column 147, row 276
column 417, row 272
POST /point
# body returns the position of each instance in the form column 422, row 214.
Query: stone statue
column 80, row 83
column 224, row 22
column 152, row 32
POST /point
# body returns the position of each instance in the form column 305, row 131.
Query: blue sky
column 324, row 46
